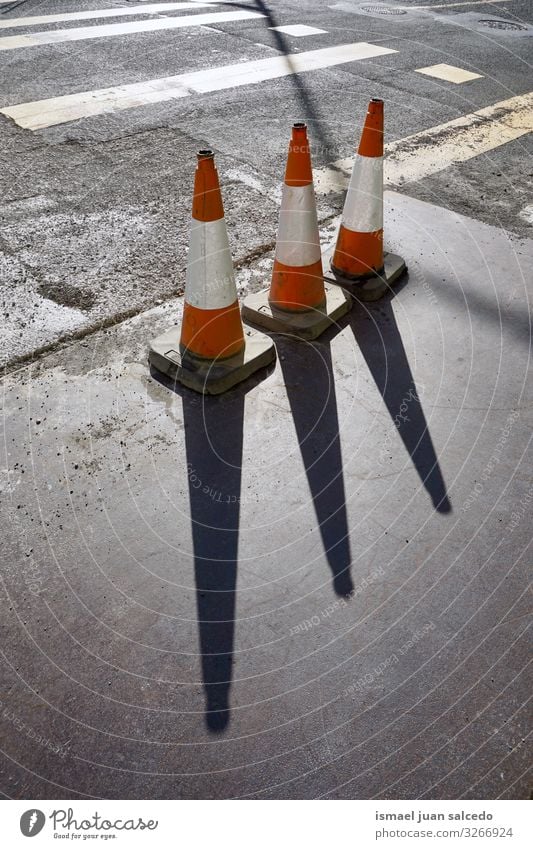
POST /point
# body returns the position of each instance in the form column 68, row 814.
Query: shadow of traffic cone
column 359, row 262
column 297, row 302
column 212, row 353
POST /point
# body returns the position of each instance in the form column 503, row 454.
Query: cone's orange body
column 358, row 253
column 297, row 279
column 212, row 334
column 212, row 326
column 297, row 289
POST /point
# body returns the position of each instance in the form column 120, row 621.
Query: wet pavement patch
column 68, row 295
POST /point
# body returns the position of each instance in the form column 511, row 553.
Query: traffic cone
column 359, row 262
column 297, row 302
column 211, row 353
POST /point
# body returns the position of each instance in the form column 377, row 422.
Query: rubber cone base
column 210, row 377
column 257, row 310
column 367, row 288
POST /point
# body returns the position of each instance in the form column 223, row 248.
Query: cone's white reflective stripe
column 210, row 282
column 363, row 207
column 298, row 242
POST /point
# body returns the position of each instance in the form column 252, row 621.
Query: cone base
column 210, row 377
column 368, row 288
column 257, row 310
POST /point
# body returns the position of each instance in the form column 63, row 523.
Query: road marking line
column 449, row 73
column 298, row 30
column 433, row 150
column 12, row 42
column 70, row 107
column 462, row 3
column 64, row 17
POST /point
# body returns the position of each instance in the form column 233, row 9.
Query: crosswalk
column 148, row 17
column 70, row 107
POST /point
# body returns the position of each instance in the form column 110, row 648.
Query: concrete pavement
column 312, row 587
column 316, row 585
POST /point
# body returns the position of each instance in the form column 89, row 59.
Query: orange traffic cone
column 212, row 353
column 297, row 278
column 298, row 301
column 211, row 326
column 359, row 256
column 359, row 249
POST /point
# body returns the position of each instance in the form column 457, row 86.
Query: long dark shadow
column 213, row 444
column 310, row 386
column 377, row 334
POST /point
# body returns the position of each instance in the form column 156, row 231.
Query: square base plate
column 210, row 377
column 257, row 310
column 367, row 288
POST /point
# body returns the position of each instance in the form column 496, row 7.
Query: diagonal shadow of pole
column 213, row 445
column 310, row 385
column 377, row 334
column 10, row 7
column 302, row 92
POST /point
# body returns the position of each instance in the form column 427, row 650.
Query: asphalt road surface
column 95, row 211
column 352, row 621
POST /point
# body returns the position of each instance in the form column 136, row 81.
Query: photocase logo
column 31, row 822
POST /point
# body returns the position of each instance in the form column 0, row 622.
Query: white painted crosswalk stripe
column 299, row 30
column 449, row 73
column 433, row 150
column 13, row 42
column 70, row 17
column 70, row 107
